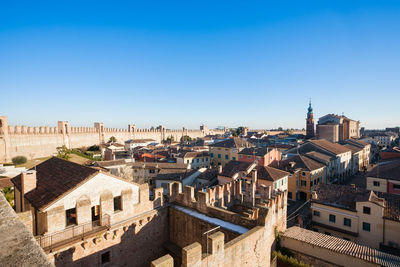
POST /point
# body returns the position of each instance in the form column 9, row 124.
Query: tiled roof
column 300, row 162
column 55, row 177
column 270, row 174
column 255, row 151
column 320, row 157
column 392, row 208
column 209, row 174
column 388, row 169
column 159, row 165
column 353, row 148
column 234, row 166
column 234, row 142
column 340, row 196
column 329, row 146
column 341, row 246
column 176, row 175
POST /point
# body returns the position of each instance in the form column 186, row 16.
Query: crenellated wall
column 42, row 141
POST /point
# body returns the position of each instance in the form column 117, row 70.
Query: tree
column 63, row 152
column 112, row 139
column 280, row 129
column 170, row 139
column 186, row 138
column 19, row 160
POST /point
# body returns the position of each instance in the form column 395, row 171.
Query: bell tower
column 310, row 133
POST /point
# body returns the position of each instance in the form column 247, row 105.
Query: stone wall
column 185, row 229
column 135, row 242
column 35, row 142
column 17, row 247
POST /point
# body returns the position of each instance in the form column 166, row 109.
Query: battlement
column 236, row 201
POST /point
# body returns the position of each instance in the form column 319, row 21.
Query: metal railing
column 73, row 232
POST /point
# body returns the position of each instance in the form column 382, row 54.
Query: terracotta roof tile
column 55, row 177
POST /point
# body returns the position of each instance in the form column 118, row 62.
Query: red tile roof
column 55, row 177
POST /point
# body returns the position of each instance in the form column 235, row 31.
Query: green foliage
column 8, row 192
column 112, row 139
column 186, row 138
column 170, row 138
column 94, row 148
column 288, row 260
column 19, row 160
column 238, row 131
column 63, row 152
column 87, row 154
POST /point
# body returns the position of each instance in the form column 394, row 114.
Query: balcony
column 73, row 233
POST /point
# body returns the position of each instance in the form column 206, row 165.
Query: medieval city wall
column 42, row 141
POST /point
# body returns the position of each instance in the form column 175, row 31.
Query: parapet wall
column 42, row 141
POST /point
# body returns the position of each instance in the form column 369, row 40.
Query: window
column 290, row 195
column 212, row 155
column 70, row 216
column 233, row 158
column 332, row 218
column 396, row 186
column 366, row 227
column 311, row 183
column 249, row 157
column 303, row 173
column 198, row 160
column 206, row 159
column 240, row 156
column 117, row 204
column 219, row 156
column 366, row 210
column 105, row 258
column 226, row 156
column 347, row 222
column 316, row 213
column 303, row 183
column 376, row 183
column 152, row 171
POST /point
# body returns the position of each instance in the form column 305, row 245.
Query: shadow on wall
column 139, row 244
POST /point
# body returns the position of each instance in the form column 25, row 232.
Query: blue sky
column 184, row 63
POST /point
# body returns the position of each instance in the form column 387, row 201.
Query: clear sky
column 184, row 63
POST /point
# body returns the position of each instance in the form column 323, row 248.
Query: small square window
column 105, row 258
column 396, row 186
column 376, row 183
column 316, row 213
column 347, row 222
column 366, row 227
column 219, row 156
column 226, row 156
column 366, row 210
column 332, row 218
column 117, row 204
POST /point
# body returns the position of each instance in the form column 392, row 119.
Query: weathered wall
column 185, row 229
column 34, row 142
column 136, row 242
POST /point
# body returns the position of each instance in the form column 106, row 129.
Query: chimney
column 28, row 181
column 219, row 169
column 254, row 175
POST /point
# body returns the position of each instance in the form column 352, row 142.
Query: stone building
column 305, row 174
column 81, row 216
column 337, row 128
column 223, row 152
column 358, row 215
